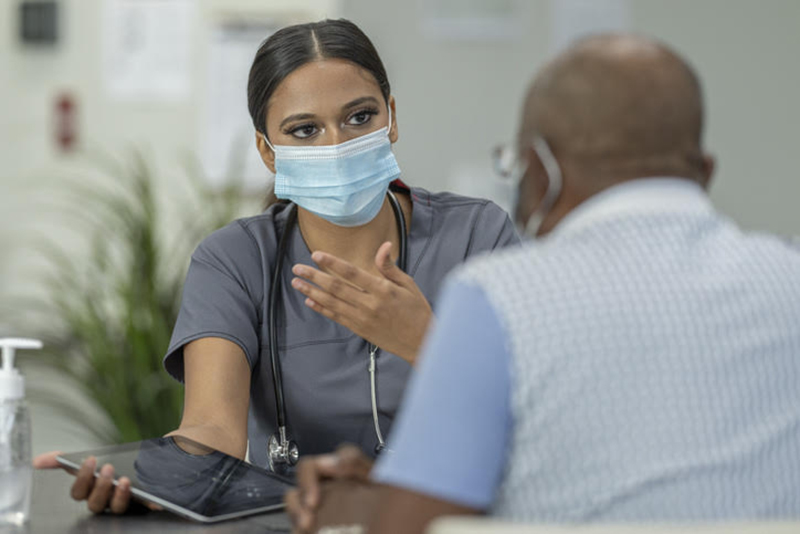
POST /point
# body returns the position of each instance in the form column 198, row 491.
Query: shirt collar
column 643, row 196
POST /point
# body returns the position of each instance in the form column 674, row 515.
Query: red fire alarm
column 66, row 122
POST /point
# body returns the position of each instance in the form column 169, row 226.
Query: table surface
column 54, row 511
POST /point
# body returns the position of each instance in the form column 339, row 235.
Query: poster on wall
column 572, row 19
column 228, row 138
column 471, row 20
column 146, row 48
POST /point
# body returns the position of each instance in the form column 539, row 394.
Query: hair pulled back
column 294, row 46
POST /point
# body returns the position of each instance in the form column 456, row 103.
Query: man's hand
column 388, row 310
column 348, row 465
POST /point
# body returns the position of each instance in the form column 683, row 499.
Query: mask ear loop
column 267, row 141
column 554, row 186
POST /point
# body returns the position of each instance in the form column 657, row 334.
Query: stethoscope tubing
column 274, row 296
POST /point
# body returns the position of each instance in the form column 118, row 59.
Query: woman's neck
column 357, row 245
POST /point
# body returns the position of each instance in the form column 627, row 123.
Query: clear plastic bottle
column 16, row 472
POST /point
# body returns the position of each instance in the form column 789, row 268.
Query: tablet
column 189, row 479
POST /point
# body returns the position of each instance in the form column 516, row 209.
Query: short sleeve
column 221, row 296
column 450, row 441
column 493, row 230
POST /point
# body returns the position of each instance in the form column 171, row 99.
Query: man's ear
column 709, row 164
column 267, row 154
column 393, row 131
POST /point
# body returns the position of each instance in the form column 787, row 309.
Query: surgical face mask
column 552, row 192
column 345, row 183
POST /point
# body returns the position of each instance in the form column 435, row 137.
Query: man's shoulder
column 504, row 263
column 637, row 247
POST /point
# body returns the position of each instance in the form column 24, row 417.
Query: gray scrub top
column 324, row 365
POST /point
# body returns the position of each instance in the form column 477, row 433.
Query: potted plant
column 110, row 312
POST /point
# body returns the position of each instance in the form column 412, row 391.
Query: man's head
column 611, row 108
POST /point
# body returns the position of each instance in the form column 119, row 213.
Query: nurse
column 362, row 260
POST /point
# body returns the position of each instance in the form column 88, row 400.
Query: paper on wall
column 572, row 19
column 146, row 48
column 229, row 135
column 472, row 20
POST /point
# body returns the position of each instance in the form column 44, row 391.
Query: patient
column 637, row 362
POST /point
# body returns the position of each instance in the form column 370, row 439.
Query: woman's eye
column 304, row 131
column 362, row 117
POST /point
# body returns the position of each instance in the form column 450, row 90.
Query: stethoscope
column 282, row 451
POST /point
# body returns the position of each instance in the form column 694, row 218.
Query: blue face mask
column 344, row 184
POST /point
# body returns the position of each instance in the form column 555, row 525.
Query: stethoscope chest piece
column 282, row 453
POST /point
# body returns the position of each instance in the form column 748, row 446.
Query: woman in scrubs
column 325, row 120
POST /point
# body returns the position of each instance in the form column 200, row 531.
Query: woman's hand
column 100, row 493
column 348, row 464
column 388, row 310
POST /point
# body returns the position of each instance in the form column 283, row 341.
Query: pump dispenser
column 15, row 436
column 12, row 383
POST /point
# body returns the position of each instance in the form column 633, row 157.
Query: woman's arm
column 216, row 400
column 217, row 395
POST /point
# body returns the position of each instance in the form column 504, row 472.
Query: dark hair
column 293, row 46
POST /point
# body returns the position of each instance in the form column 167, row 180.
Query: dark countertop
column 54, row 511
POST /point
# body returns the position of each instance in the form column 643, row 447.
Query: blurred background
column 124, row 138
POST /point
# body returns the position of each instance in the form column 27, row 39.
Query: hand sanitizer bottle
column 15, row 437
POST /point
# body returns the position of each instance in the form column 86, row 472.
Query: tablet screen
column 190, row 478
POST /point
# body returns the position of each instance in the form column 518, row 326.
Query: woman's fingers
column 84, row 480
column 346, row 271
column 47, row 460
column 120, row 500
column 100, row 497
column 388, row 309
column 332, row 293
column 388, row 268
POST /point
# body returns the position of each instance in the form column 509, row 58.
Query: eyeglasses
column 506, row 162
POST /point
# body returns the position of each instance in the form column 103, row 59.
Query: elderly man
column 638, row 362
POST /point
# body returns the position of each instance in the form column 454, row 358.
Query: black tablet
column 189, row 479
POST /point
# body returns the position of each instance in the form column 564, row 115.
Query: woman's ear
column 267, row 154
column 393, row 132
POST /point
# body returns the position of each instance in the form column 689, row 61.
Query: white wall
column 31, row 165
column 456, row 99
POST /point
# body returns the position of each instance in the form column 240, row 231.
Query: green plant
column 113, row 309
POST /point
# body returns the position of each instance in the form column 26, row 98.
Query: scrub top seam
column 180, row 345
column 455, row 203
column 471, row 240
column 312, row 342
column 228, row 276
column 496, row 243
column 249, row 234
column 260, row 263
column 427, row 243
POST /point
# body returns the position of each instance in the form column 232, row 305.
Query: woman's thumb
column 385, row 264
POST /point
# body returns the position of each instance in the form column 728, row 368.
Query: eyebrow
column 296, row 117
column 349, row 105
column 359, row 101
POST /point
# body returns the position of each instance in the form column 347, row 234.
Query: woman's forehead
column 325, row 84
